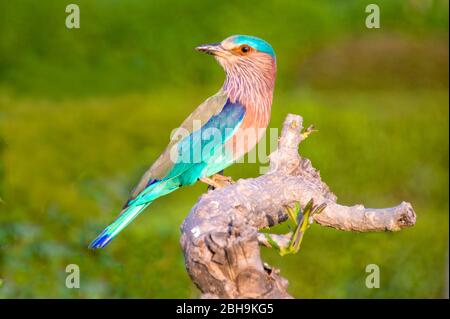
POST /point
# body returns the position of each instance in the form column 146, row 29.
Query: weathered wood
column 220, row 235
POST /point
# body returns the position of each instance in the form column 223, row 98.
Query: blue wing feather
column 197, row 151
column 223, row 124
column 191, row 165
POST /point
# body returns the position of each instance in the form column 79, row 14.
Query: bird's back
column 164, row 163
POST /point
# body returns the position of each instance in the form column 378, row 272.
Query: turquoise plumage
column 211, row 146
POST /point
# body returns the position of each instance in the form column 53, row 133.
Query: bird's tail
column 129, row 213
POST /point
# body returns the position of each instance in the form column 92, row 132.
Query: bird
column 236, row 116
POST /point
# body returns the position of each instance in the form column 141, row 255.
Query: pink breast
column 249, row 133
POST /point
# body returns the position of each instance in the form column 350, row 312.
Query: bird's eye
column 245, row 49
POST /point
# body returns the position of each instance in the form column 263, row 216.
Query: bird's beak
column 213, row 48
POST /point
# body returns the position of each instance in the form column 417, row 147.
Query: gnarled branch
column 220, row 236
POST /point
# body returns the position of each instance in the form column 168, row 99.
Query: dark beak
column 213, row 48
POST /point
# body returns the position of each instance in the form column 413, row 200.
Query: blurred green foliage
column 137, row 45
column 84, row 112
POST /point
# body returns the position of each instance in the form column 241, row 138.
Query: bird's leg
column 220, row 178
column 217, row 180
column 290, row 243
column 212, row 184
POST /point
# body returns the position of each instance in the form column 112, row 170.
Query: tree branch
column 220, row 236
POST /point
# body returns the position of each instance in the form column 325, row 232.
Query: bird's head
column 241, row 51
column 250, row 65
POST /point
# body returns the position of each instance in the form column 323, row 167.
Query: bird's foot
column 217, row 181
column 290, row 243
column 222, row 179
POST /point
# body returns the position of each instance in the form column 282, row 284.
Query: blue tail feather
column 126, row 217
column 133, row 209
column 101, row 241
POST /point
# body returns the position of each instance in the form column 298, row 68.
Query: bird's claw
column 217, row 181
column 219, row 178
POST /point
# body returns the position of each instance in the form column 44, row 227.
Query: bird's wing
column 209, row 115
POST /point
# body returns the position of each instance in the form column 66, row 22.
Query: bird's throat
column 252, row 86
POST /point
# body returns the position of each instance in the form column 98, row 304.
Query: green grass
column 68, row 165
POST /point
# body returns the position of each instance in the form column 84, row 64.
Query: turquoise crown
column 255, row 42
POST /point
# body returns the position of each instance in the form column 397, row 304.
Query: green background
column 83, row 112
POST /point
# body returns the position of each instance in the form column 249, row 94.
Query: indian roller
column 221, row 130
